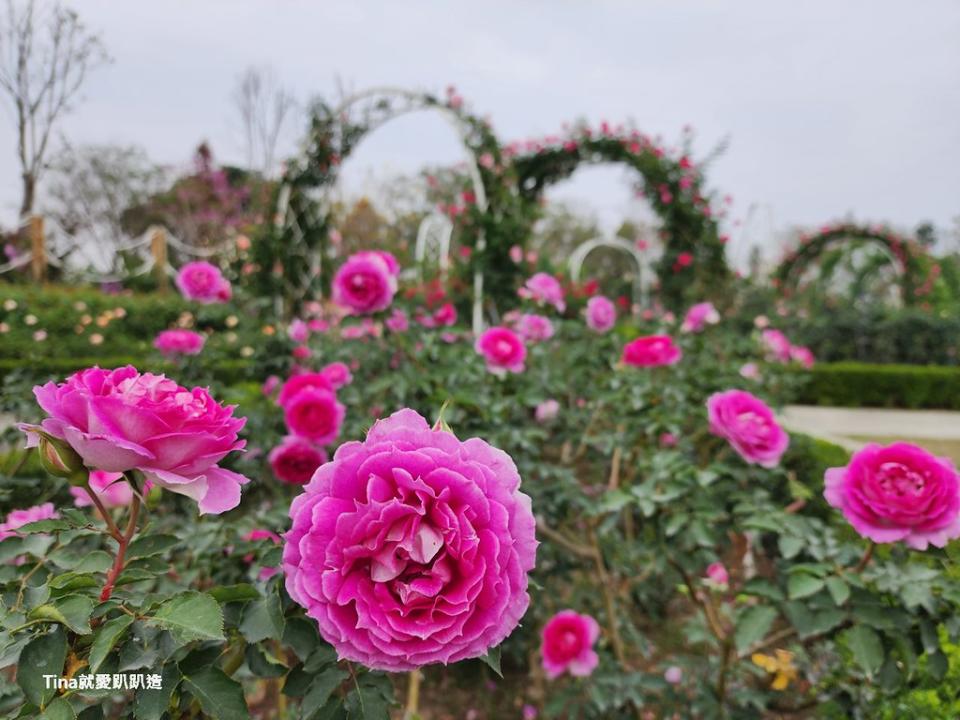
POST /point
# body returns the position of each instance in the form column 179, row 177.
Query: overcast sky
column 832, row 108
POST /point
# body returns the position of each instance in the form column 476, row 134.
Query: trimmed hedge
column 225, row 371
column 853, row 384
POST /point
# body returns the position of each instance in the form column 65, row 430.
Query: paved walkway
column 847, row 426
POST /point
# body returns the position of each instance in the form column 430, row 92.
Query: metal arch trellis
column 580, row 253
column 373, row 108
column 434, row 232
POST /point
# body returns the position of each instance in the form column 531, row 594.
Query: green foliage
column 851, row 384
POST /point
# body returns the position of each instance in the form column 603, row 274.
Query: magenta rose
column 295, row 460
column 568, row 639
column 302, row 381
column 651, row 351
column 802, row 355
column 120, row 420
column 179, row 342
column 314, row 414
column 19, row 518
column 412, row 547
column 364, row 284
column 203, row 282
column 337, row 374
column 544, row 289
column 777, row 345
column 699, row 316
column 503, row 350
column 534, row 328
column 110, row 488
column 898, row 492
column 749, row 425
column 601, row 314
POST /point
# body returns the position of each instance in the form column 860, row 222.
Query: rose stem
column 124, row 542
column 111, row 525
column 413, row 696
column 866, row 558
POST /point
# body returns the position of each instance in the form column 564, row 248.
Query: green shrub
column 852, row 384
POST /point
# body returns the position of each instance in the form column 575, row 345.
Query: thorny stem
column 123, row 543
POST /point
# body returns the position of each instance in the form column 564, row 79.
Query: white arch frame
column 580, row 253
column 377, row 109
column 435, row 226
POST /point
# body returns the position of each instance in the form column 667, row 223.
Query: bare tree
column 263, row 105
column 45, row 55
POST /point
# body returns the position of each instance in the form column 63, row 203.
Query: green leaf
column 263, row 619
column 234, row 593
column 753, row 625
column 220, row 696
column 301, row 635
column 366, row 702
column 262, row 663
column 321, row 688
column 59, row 709
column 190, row 616
column 44, row 526
column 152, row 704
column 492, row 660
column 70, row 581
column 790, row 546
column 44, row 655
column 96, row 561
column 802, row 585
column 839, row 590
column 70, row 610
column 148, row 545
column 866, row 647
column 106, row 638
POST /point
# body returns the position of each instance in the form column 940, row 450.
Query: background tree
column 46, row 53
column 264, row 106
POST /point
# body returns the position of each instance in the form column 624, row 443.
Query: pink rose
column 314, row 414
column 445, row 316
column 120, row 420
column 668, row 440
column 364, row 284
column 750, row 371
column 110, row 488
column 503, row 350
column 269, row 385
column 898, row 492
column 544, row 289
column 337, row 374
column 412, row 547
column 179, row 342
column 673, row 675
column 568, row 639
column 387, row 258
column 534, row 328
column 651, row 351
column 298, row 331
column 699, row 316
column 261, row 534
column 295, row 460
column 601, row 313
column 717, row 574
column 802, row 355
column 777, row 345
column 397, row 322
column 19, row 518
column 303, row 381
column 203, row 282
column 749, row 425
column 546, row 411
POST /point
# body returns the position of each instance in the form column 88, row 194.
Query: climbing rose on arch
column 898, row 492
column 412, row 547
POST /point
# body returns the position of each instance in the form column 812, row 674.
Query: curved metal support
column 434, row 233
column 581, row 252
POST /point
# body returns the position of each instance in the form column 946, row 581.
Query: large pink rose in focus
column 412, row 547
column 898, row 492
column 651, row 351
column 295, row 460
column 749, row 425
column 601, row 314
column 203, row 282
column 120, row 420
column 179, row 342
column 503, row 350
column 568, row 639
column 315, row 414
column 364, row 284
column 19, row 518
